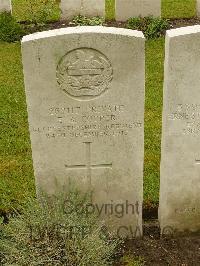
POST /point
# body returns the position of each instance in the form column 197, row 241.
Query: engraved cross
column 88, row 166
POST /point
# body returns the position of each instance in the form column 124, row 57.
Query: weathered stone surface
column 198, row 8
column 71, row 8
column 126, row 9
column 180, row 161
column 85, row 97
column 5, row 5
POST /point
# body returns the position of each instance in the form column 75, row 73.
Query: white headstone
column 85, row 97
column 5, row 6
column 88, row 8
column 180, row 161
column 198, row 8
column 125, row 9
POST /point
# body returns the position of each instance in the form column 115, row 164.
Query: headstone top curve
column 82, row 29
column 183, row 31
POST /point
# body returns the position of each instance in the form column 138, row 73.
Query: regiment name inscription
column 90, row 121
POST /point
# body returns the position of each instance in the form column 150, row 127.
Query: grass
column 16, row 174
column 23, row 12
column 110, row 9
column 178, row 8
column 153, row 112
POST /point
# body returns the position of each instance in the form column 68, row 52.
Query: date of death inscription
column 90, row 121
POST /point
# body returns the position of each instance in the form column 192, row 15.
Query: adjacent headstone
column 126, row 9
column 85, row 97
column 198, row 8
column 72, row 8
column 179, row 209
column 5, row 6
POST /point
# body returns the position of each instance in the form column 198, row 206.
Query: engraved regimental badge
column 84, row 73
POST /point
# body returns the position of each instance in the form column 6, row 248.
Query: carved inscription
column 189, row 115
column 84, row 73
column 94, row 121
column 187, row 210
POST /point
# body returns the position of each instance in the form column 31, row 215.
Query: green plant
column 135, row 23
column 85, row 21
column 151, row 27
column 10, row 30
column 49, row 233
column 156, row 28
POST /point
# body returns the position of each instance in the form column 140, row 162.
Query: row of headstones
column 124, row 9
column 85, row 95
